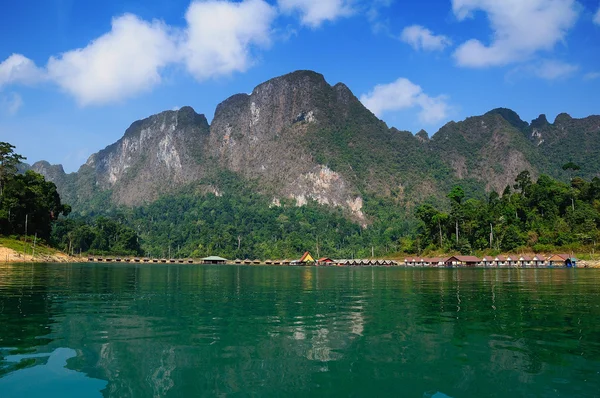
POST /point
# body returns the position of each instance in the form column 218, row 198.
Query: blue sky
column 75, row 74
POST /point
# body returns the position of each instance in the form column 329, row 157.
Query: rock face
column 297, row 137
column 155, row 156
column 260, row 136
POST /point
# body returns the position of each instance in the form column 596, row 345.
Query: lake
column 121, row 330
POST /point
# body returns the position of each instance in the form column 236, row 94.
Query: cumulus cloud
column 421, row 38
column 220, row 35
column 314, row 12
column 18, row 69
column 597, row 17
column 11, row 103
column 117, row 65
column 521, row 28
column 403, row 94
column 218, row 39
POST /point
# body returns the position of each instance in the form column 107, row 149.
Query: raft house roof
column 214, row 260
column 306, row 258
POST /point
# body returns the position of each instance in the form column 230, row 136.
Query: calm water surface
column 184, row 331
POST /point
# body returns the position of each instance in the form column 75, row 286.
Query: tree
column 9, row 161
column 523, row 182
column 572, row 168
column 30, row 197
column 456, row 195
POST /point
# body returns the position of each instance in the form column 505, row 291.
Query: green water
column 184, row 331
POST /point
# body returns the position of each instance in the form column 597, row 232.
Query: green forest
column 541, row 216
column 28, row 203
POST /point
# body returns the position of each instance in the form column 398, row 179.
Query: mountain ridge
column 298, row 138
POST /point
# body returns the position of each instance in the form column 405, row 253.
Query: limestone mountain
column 297, row 138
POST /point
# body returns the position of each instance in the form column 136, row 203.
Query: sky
column 75, row 74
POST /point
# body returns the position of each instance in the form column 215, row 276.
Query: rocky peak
column 510, row 116
column 262, row 136
column 562, row 118
column 155, row 153
column 540, row 122
column 422, row 136
column 54, row 173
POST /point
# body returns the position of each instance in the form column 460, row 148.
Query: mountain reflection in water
column 49, row 379
column 175, row 331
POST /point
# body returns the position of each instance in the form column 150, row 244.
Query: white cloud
column 403, row 94
column 220, row 35
column 18, row 69
column 597, row 17
column 314, row 12
column 11, row 103
column 421, row 38
column 218, row 40
column 521, row 28
column 118, row 64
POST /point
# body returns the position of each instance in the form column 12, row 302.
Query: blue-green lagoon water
column 85, row 330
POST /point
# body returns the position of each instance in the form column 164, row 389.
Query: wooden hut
column 306, row 259
column 325, row 261
column 237, row 261
column 488, row 261
column 462, row 261
column 559, row 260
column 538, row 261
column 214, row 260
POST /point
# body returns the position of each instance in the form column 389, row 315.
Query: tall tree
column 8, row 163
column 456, row 195
column 572, row 168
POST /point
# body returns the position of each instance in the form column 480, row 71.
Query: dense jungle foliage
column 28, row 203
column 540, row 215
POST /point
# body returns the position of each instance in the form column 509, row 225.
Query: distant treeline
column 539, row 215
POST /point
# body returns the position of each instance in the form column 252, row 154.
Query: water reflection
column 51, row 378
column 159, row 330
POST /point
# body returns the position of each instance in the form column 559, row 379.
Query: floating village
column 500, row 261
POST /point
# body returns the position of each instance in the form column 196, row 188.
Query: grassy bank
column 23, row 249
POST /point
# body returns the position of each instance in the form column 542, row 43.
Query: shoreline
column 11, row 256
